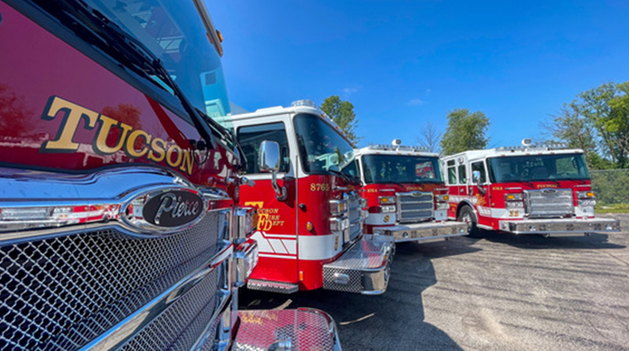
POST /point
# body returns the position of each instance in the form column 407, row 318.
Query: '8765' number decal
column 319, row 187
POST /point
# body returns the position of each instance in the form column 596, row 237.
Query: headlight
column 386, row 200
column 339, row 224
column 585, row 194
column 587, row 203
column 363, row 202
column 442, row 205
column 513, row 197
column 387, row 209
column 514, row 204
column 338, row 207
column 443, row 198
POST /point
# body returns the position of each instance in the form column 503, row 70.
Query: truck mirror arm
column 280, row 191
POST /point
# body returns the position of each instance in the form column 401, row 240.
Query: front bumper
column 561, row 227
column 363, row 268
column 286, row 330
column 424, row 232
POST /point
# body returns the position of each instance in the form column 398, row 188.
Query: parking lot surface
column 501, row 292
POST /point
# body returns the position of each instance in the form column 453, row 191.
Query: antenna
column 527, row 142
column 396, row 142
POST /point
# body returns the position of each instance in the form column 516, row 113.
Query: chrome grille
column 548, row 203
column 65, row 291
column 179, row 327
column 414, row 206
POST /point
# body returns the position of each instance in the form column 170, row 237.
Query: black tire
column 467, row 215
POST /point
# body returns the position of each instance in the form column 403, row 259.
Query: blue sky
column 405, row 63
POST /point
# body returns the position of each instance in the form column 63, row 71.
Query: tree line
column 596, row 121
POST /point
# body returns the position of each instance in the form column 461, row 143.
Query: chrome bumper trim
column 561, row 227
column 98, row 200
column 363, row 268
column 271, row 286
column 423, row 232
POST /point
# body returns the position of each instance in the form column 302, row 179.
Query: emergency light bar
column 548, row 146
column 384, row 147
column 413, row 148
column 305, row 102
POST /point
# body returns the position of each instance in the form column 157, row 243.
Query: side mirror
column 476, row 180
column 476, row 177
column 270, row 162
column 269, row 156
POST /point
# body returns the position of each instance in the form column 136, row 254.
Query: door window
column 451, row 172
column 250, row 138
column 462, row 175
column 480, row 166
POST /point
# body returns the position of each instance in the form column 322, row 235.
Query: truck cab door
column 275, row 234
column 479, row 187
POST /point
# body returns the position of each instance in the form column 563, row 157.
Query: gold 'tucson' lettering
column 154, row 149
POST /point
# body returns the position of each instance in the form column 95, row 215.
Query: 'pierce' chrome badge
column 165, row 211
column 173, row 208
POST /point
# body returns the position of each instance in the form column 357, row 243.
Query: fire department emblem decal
column 480, row 200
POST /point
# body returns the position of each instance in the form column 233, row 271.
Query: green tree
column 578, row 132
column 466, row 131
column 597, row 121
column 342, row 113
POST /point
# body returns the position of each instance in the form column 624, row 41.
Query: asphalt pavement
column 501, row 292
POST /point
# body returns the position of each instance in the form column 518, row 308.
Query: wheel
column 467, row 215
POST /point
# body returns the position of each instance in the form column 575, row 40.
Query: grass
column 617, row 208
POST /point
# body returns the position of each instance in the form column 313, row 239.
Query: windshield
column 174, row 32
column 321, row 148
column 401, row 169
column 540, row 167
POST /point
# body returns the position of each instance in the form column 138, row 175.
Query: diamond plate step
column 363, row 268
column 304, row 329
column 271, row 286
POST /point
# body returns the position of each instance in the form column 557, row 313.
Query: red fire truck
column 405, row 192
column 119, row 224
column 527, row 189
column 310, row 220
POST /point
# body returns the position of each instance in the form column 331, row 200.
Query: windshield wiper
column 356, row 178
column 343, row 175
column 142, row 60
column 424, row 181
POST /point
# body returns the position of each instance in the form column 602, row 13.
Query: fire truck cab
column 119, row 222
column 529, row 189
column 405, row 193
column 311, row 215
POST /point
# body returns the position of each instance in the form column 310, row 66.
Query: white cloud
column 415, row 102
column 350, row 90
column 347, row 91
